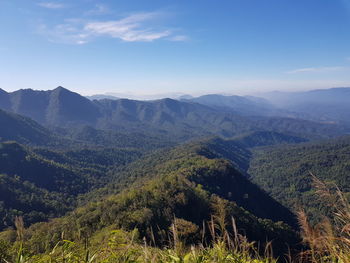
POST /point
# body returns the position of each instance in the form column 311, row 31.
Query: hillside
column 284, row 172
column 24, row 130
column 170, row 187
column 34, row 187
column 41, row 183
column 265, row 138
column 141, row 140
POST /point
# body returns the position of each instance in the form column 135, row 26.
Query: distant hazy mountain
column 102, row 97
column 185, row 97
column 180, row 119
column 326, row 105
column 188, row 119
column 156, row 96
column 248, row 106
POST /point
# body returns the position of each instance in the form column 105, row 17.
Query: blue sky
column 186, row 46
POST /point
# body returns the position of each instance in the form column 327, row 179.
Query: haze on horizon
column 160, row 47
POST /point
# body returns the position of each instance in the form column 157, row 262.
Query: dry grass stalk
column 329, row 241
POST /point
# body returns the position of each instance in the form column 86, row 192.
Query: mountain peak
column 3, row 91
column 168, row 100
column 60, row 89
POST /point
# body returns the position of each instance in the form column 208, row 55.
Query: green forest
column 177, row 182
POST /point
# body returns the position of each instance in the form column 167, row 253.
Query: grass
column 329, row 241
column 125, row 247
column 70, row 252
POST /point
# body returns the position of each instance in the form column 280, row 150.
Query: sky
column 174, row 46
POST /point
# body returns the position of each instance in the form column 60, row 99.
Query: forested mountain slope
column 24, row 130
column 265, row 138
column 40, row 183
column 187, row 177
column 34, row 187
column 141, row 140
column 284, row 172
column 97, row 171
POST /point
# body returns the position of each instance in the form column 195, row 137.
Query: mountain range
column 185, row 119
column 330, row 105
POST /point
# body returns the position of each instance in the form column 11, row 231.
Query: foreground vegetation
column 122, row 246
column 327, row 242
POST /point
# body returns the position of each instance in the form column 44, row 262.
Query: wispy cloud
column 315, row 70
column 133, row 28
column 51, row 5
column 129, row 29
column 67, row 33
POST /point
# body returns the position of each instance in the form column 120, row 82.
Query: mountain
column 329, row 105
column 176, row 119
column 24, row 130
column 215, row 149
column 66, row 107
column 22, row 198
column 87, row 135
column 102, row 97
column 246, row 106
column 266, row 138
column 55, row 107
column 284, row 172
column 148, row 97
column 34, row 187
column 39, row 183
column 152, row 192
column 185, row 120
column 4, row 100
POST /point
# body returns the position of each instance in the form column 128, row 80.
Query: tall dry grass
column 329, row 240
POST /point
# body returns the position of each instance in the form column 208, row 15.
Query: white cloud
column 315, row 70
column 133, row 28
column 129, row 29
column 67, row 33
column 51, row 5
